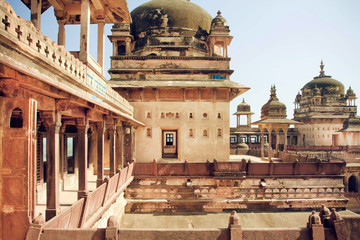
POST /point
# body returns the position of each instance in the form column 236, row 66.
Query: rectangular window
column 233, row 139
column 169, row 139
column 70, row 149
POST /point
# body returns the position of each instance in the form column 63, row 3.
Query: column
column 84, row 30
column 114, row 47
column 119, row 147
column 36, row 12
column 112, row 151
column 128, row 48
column 93, row 149
column 285, row 141
column 249, row 120
column 100, row 49
column 63, row 154
column 270, row 144
column 61, row 33
column 53, row 157
column 100, row 153
column 262, row 142
column 277, row 139
column 82, row 149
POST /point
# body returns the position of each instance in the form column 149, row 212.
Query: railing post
column 235, row 226
column 35, row 228
column 118, row 180
column 111, row 231
column 106, row 190
column 317, row 229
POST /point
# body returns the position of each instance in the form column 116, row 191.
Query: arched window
column 16, row 120
column 353, row 184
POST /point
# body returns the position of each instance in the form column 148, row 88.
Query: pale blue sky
column 277, row 42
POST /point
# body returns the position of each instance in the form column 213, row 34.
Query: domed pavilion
column 323, row 107
column 273, row 118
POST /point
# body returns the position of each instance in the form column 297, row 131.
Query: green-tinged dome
column 325, row 84
column 179, row 15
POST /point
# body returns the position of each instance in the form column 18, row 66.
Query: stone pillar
column 285, row 140
column 277, row 139
column 128, row 143
column 61, row 33
column 100, row 153
column 53, row 124
column 101, row 45
column 93, row 149
column 84, row 30
column 119, row 143
column 36, row 13
column 262, row 142
column 82, row 149
column 114, row 47
column 270, row 144
column 112, row 150
column 63, row 154
column 248, row 119
column 128, row 45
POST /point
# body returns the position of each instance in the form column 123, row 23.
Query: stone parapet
column 84, row 80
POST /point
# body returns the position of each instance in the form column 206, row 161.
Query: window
column 70, row 148
column 233, row 139
column 169, row 139
column 253, row 139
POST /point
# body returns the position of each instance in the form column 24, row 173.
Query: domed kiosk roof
column 176, row 14
column 326, row 84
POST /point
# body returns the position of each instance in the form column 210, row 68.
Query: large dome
column 325, row 84
column 178, row 15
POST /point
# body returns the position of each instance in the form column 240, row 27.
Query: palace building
column 174, row 69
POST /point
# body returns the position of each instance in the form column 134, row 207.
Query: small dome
column 182, row 16
column 219, row 22
column 273, row 108
column 350, row 93
column 326, row 84
column 243, row 107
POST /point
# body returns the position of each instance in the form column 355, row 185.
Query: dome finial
column 273, row 91
column 322, row 72
column 219, row 13
column 243, row 100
